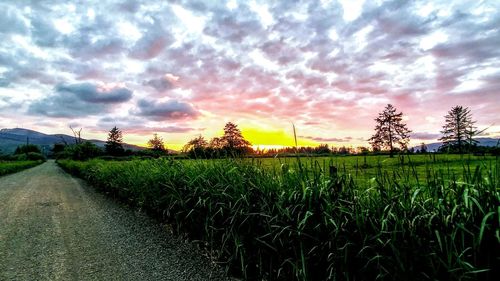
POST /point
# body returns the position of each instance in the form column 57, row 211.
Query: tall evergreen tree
column 390, row 131
column 458, row 129
column 114, row 145
column 233, row 140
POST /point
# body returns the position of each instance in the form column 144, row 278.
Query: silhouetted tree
column 58, row 149
column 114, row 145
column 82, row 151
column 216, row 143
column 196, row 147
column 322, row 149
column 233, row 141
column 423, row 148
column 344, row 150
column 156, row 143
column 458, row 129
column 473, row 132
column 362, row 150
column 390, row 130
column 77, row 135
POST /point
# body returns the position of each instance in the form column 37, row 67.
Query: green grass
column 435, row 219
column 365, row 168
column 9, row 167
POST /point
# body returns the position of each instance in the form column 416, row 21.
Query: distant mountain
column 482, row 142
column 10, row 139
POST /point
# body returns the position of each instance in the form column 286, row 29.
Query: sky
column 185, row 68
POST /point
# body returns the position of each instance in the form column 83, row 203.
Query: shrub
column 30, row 156
column 16, row 166
column 82, row 151
column 26, row 149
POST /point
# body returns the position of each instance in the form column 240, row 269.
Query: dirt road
column 55, row 227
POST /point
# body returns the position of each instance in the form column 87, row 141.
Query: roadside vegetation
column 24, row 157
column 418, row 220
column 9, row 167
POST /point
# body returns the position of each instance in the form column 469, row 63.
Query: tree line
column 391, row 136
column 230, row 144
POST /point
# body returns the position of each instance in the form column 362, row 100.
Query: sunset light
column 183, row 68
column 301, row 140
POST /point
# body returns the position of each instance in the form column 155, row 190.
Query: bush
column 30, row 156
column 116, row 158
column 82, row 151
column 153, row 153
column 27, row 148
column 8, row 157
column 16, row 166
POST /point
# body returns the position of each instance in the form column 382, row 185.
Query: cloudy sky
column 185, row 68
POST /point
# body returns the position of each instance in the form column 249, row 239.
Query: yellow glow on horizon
column 273, row 138
column 266, row 146
column 260, row 138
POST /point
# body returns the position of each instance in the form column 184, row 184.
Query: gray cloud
column 169, row 129
column 149, row 46
column 235, row 26
column 161, row 84
column 169, row 110
column 91, row 93
column 135, row 125
column 44, row 33
column 153, row 41
column 79, row 100
column 64, row 106
column 425, row 136
column 490, row 134
column 4, row 82
column 131, row 6
column 12, row 20
column 101, row 48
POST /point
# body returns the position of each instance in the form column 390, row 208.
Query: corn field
column 305, row 220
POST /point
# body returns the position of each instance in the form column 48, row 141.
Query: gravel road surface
column 55, row 227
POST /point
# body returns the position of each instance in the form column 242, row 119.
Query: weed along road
column 55, row 227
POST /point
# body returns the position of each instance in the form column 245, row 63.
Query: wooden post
column 333, row 171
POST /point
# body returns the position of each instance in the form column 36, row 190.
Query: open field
column 9, row 167
column 418, row 220
column 365, row 169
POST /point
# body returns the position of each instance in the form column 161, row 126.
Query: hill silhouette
column 10, row 139
column 432, row 147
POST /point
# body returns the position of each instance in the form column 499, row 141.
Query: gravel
column 55, row 227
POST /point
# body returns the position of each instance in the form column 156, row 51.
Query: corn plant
column 305, row 220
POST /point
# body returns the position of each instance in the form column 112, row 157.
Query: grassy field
column 417, row 218
column 9, row 167
column 365, row 169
